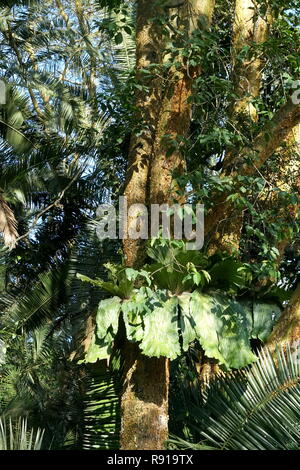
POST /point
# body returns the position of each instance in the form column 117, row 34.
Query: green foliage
column 18, row 437
column 265, row 316
column 253, row 409
column 165, row 310
column 102, row 411
column 176, row 268
column 36, row 379
column 107, row 327
column 64, row 137
column 160, row 335
column 121, row 284
column 221, row 328
column 165, row 325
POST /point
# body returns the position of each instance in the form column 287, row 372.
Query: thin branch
column 53, row 204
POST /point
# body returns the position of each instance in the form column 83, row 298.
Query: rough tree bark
column 149, row 50
column 287, row 330
column 248, row 30
column 175, row 115
column 144, row 403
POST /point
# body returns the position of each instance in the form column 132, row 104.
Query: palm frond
column 253, row 409
column 102, row 412
column 175, row 442
column 40, row 303
column 8, row 225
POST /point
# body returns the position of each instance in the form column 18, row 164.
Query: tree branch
column 288, row 327
column 270, row 138
column 263, row 146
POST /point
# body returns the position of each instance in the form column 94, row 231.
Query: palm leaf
column 8, row 225
column 102, row 412
column 19, row 437
column 253, row 409
column 40, row 303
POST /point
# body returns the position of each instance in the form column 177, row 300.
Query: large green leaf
column 186, row 321
column 161, row 330
column 204, row 311
column 98, row 350
column 260, row 317
column 108, row 317
column 153, row 319
column 107, row 321
column 233, row 337
column 133, row 312
column 220, row 327
column 228, row 273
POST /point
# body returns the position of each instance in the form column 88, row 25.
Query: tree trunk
column 247, row 79
column 149, row 50
column 144, row 402
column 175, row 116
column 248, row 31
column 288, row 327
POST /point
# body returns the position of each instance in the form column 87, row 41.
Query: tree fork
column 263, row 147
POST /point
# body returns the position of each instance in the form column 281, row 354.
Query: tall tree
column 164, row 108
